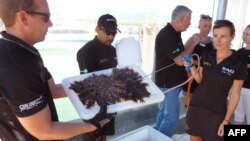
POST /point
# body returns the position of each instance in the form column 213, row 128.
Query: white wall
column 238, row 11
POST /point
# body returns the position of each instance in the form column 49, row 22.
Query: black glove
column 109, row 128
column 101, row 118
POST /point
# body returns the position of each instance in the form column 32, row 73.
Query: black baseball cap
column 108, row 22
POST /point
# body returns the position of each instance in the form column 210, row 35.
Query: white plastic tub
column 145, row 133
column 155, row 97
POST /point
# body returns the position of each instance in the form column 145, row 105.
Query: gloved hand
column 104, row 123
column 101, row 118
column 187, row 59
column 109, row 128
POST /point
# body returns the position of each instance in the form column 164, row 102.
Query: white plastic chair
column 128, row 52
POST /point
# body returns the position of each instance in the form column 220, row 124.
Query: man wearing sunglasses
column 99, row 54
column 27, row 110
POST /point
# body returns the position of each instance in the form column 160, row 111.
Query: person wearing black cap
column 99, row 54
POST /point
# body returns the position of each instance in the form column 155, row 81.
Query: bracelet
column 227, row 121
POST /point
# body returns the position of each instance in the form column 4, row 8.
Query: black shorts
column 203, row 123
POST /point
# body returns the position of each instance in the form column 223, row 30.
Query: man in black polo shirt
column 27, row 110
column 170, row 49
column 99, row 54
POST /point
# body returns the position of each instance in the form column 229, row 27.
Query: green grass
column 65, row 110
column 60, row 58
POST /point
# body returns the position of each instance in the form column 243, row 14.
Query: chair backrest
column 128, row 52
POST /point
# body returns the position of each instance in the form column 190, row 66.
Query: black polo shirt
column 201, row 47
column 216, row 82
column 205, row 46
column 168, row 45
column 95, row 56
column 244, row 56
column 24, row 88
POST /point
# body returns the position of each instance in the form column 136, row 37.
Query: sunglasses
column 108, row 33
column 45, row 15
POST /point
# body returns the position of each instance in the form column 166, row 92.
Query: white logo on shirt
column 111, row 20
column 30, row 105
column 202, row 45
column 227, row 71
